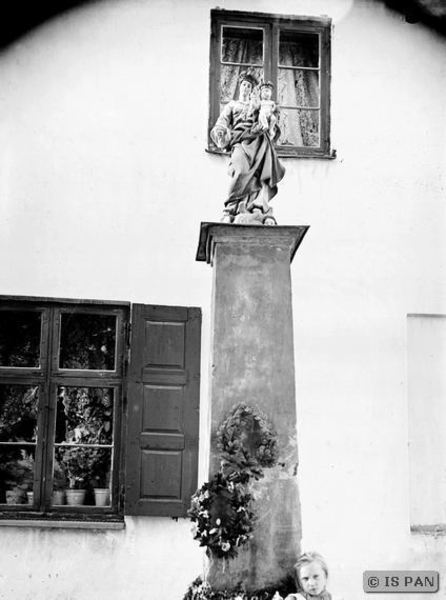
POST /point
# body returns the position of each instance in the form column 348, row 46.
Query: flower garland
column 247, row 441
column 221, row 511
column 202, row 590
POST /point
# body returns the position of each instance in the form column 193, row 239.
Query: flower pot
column 102, row 496
column 75, row 497
column 13, row 497
column 58, row 498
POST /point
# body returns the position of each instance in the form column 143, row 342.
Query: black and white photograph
column 223, row 300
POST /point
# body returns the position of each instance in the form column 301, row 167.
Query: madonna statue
column 254, row 167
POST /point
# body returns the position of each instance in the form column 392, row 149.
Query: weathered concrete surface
column 253, row 363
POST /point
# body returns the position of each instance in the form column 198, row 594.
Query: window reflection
column 18, row 413
column 83, row 445
column 242, row 45
column 20, row 333
column 87, row 342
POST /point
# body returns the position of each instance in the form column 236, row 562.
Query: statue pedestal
column 252, row 362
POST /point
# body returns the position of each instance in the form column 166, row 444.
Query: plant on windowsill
column 19, row 479
column 78, row 464
column 59, row 483
column 88, row 414
column 100, row 476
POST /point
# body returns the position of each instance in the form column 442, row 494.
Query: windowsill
column 54, row 524
column 435, row 530
column 284, row 154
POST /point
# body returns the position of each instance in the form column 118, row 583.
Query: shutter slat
column 161, row 441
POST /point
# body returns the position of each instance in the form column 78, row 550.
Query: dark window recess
column 291, row 52
column 63, row 453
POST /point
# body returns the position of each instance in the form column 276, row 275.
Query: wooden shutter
column 162, row 410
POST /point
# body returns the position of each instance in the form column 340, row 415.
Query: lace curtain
column 296, row 87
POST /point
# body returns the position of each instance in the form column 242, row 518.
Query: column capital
column 288, row 236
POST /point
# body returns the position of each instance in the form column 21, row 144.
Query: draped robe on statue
column 254, row 168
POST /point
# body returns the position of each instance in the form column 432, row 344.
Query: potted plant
column 19, row 479
column 59, row 483
column 101, row 476
column 78, row 464
column 88, row 426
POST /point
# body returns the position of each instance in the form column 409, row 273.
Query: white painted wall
column 426, row 391
column 103, row 184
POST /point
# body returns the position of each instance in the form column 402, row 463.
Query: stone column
column 252, row 362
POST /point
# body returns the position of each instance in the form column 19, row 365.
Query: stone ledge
column 49, row 524
column 289, row 236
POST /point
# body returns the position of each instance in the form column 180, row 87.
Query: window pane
column 84, row 415
column 17, row 470
column 229, row 82
column 298, row 49
column 84, row 429
column 20, row 338
column 298, row 88
column 82, row 467
column 299, row 128
column 18, row 413
column 87, row 342
column 242, row 45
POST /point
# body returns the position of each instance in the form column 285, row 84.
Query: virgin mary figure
column 254, row 167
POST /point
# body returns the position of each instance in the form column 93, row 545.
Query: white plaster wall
column 426, row 391
column 103, row 183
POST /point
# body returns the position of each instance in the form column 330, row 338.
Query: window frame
column 49, row 377
column 271, row 25
column 129, row 481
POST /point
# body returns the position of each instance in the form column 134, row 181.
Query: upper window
column 291, row 52
column 63, row 386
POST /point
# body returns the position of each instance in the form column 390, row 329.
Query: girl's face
column 313, row 578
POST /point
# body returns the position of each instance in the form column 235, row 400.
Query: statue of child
column 268, row 109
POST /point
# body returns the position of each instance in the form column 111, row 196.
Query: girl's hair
column 306, row 559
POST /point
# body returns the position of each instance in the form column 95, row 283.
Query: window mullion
column 272, row 60
column 214, row 79
column 43, row 474
column 50, row 417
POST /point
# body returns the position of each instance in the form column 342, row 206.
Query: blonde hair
column 306, row 559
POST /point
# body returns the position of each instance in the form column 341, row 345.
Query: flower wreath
column 247, row 441
column 221, row 511
column 202, row 590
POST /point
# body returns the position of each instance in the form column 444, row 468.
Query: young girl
column 311, row 576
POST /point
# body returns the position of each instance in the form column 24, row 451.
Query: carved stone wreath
column 247, row 441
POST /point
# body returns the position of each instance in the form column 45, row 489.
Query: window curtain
column 246, row 52
column 295, row 87
column 298, row 87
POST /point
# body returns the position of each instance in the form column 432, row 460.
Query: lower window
column 68, row 396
